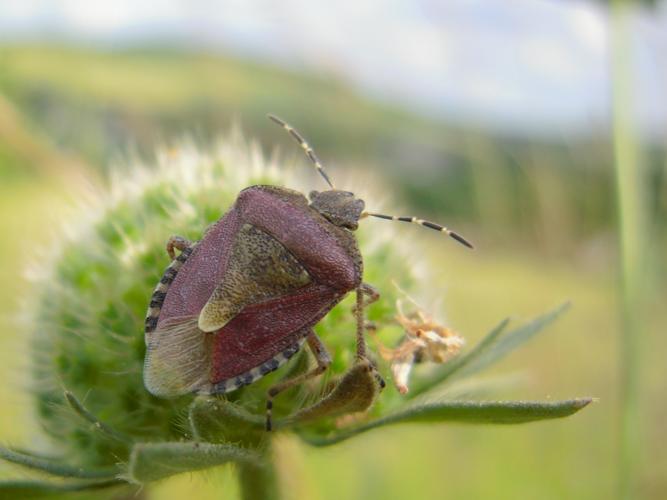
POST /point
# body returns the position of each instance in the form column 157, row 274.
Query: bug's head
column 340, row 208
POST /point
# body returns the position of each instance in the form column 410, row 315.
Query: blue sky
column 520, row 64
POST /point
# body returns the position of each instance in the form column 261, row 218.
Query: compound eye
column 312, row 195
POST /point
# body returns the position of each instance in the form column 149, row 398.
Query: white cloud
column 553, row 59
column 590, row 25
column 535, row 59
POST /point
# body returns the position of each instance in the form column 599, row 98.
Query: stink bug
column 239, row 303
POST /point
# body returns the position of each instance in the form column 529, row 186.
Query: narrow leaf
column 153, row 461
column 511, row 340
column 468, row 412
column 54, row 467
column 490, row 349
column 45, row 489
column 83, row 412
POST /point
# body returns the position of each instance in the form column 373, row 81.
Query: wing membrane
column 178, row 358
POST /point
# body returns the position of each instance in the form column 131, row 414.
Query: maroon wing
column 205, row 267
column 262, row 331
column 265, row 329
column 178, row 354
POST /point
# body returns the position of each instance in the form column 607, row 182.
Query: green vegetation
column 550, row 191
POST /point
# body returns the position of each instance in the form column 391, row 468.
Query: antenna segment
column 304, row 145
column 424, row 223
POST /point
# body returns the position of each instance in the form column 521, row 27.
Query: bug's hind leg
column 323, row 359
column 178, row 243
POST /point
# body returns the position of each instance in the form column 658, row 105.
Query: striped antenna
column 304, row 145
column 424, row 223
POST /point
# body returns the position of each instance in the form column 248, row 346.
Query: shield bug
column 240, row 302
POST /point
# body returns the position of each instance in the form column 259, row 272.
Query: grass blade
column 634, row 242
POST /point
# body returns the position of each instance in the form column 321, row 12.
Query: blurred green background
column 540, row 202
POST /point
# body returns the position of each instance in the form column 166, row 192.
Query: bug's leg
column 177, row 242
column 160, row 291
column 370, row 292
column 359, row 317
column 372, row 295
column 323, row 359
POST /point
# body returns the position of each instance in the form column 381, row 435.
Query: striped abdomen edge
column 160, row 292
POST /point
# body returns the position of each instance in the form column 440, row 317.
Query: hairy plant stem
column 259, row 482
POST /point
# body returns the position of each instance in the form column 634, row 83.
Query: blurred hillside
column 553, row 193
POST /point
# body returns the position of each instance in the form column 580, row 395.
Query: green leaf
column 46, row 489
column 490, row 349
column 468, row 412
column 153, row 461
column 54, row 467
column 511, row 340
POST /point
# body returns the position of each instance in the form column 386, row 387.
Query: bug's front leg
column 323, row 359
column 366, row 295
column 371, row 294
column 177, row 242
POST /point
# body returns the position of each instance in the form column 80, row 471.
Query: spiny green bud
column 90, row 310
